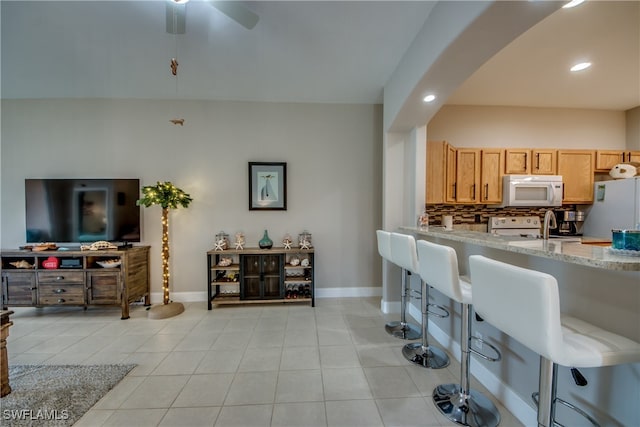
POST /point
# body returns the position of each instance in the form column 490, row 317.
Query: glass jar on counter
column 423, row 221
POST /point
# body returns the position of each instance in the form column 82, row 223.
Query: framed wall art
column 267, row 186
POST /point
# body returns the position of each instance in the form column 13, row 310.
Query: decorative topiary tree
column 168, row 196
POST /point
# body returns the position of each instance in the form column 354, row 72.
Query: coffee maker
column 569, row 223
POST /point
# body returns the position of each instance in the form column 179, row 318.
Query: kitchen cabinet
column 606, row 159
column 467, row 175
column 441, row 173
column 463, row 175
column 436, row 171
column 491, row 167
column 577, row 170
column 517, row 161
column 544, row 162
column 450, row 177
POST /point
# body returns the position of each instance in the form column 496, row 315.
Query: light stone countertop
column 556, row 249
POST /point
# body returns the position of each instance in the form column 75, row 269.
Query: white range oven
column 523, row 226
column 531, row 190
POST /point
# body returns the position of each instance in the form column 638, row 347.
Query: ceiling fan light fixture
column 581, row 66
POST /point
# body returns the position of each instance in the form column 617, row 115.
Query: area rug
column 56, row 395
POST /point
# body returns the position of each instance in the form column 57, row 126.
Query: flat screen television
column 82, row 210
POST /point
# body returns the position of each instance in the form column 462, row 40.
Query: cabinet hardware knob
column 59, row 291
column 60, row 300
column 60, row 278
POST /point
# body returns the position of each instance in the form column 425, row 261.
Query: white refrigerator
column 616, row 206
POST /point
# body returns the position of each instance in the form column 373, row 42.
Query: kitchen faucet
column 549, row 223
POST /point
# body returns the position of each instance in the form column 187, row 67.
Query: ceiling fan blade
column 236, row 11
column 176, row 17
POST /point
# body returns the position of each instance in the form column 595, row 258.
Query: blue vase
column 265, row 242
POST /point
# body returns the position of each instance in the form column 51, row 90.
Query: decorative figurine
column 222, row 241
column 304, row 240
column 239, row 241
column 225, row 261
column 287, row 241
column 174, row 66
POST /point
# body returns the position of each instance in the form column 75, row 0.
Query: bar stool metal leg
column 459, row 402
column 403, row 329
column 422, row 353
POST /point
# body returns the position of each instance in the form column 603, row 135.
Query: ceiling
column 302, row 51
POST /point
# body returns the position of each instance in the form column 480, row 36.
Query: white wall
column 333, row 152
column 486, row 126
column 633, row 128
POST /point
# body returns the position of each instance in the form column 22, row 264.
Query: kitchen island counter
column 560, row 250
column 594, row 284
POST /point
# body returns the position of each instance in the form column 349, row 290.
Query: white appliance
column 531, row 190
column 616, row 205
column 524, row 226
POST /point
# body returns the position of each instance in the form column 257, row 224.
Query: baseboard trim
column 362, row 292
column 359, row 292
column 156, row 297
column 509, row 399
column 388, row 307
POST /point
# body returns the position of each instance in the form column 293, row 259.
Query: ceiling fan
column 176, row 14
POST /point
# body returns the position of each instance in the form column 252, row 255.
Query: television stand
column 82, row 278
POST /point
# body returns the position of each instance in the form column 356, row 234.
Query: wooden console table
column 254, row 275
column 79, row 279
column 5, row 323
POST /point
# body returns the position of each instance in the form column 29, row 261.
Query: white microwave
column 531, row 190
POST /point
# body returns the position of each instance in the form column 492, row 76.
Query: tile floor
column 252, row 365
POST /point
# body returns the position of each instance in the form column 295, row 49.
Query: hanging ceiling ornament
column 173, row 64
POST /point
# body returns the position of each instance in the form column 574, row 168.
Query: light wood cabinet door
column 577, row 170
column 517, row 161
column 632, row 156
column 468, row 175
column 606, row 159
column 436, row 173
column 451, row 185
column 491, row 167
column 544, row 162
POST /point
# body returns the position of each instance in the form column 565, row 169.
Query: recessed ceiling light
column 429, row 98
column 581, row 66
column 572, row 3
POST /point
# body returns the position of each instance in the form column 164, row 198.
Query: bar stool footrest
column 471, row 409
column 436, row 314
column 571, row 406
column 498, row 356
column 406, row 331
column 429, row 357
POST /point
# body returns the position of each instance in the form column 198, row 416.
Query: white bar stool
column 404, row 252
column 400, row 329
column 458, row 402
column 525, row 304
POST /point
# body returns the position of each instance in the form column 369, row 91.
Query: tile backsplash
column 476, row 217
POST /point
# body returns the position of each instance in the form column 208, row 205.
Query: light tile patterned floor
column 254, row 365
